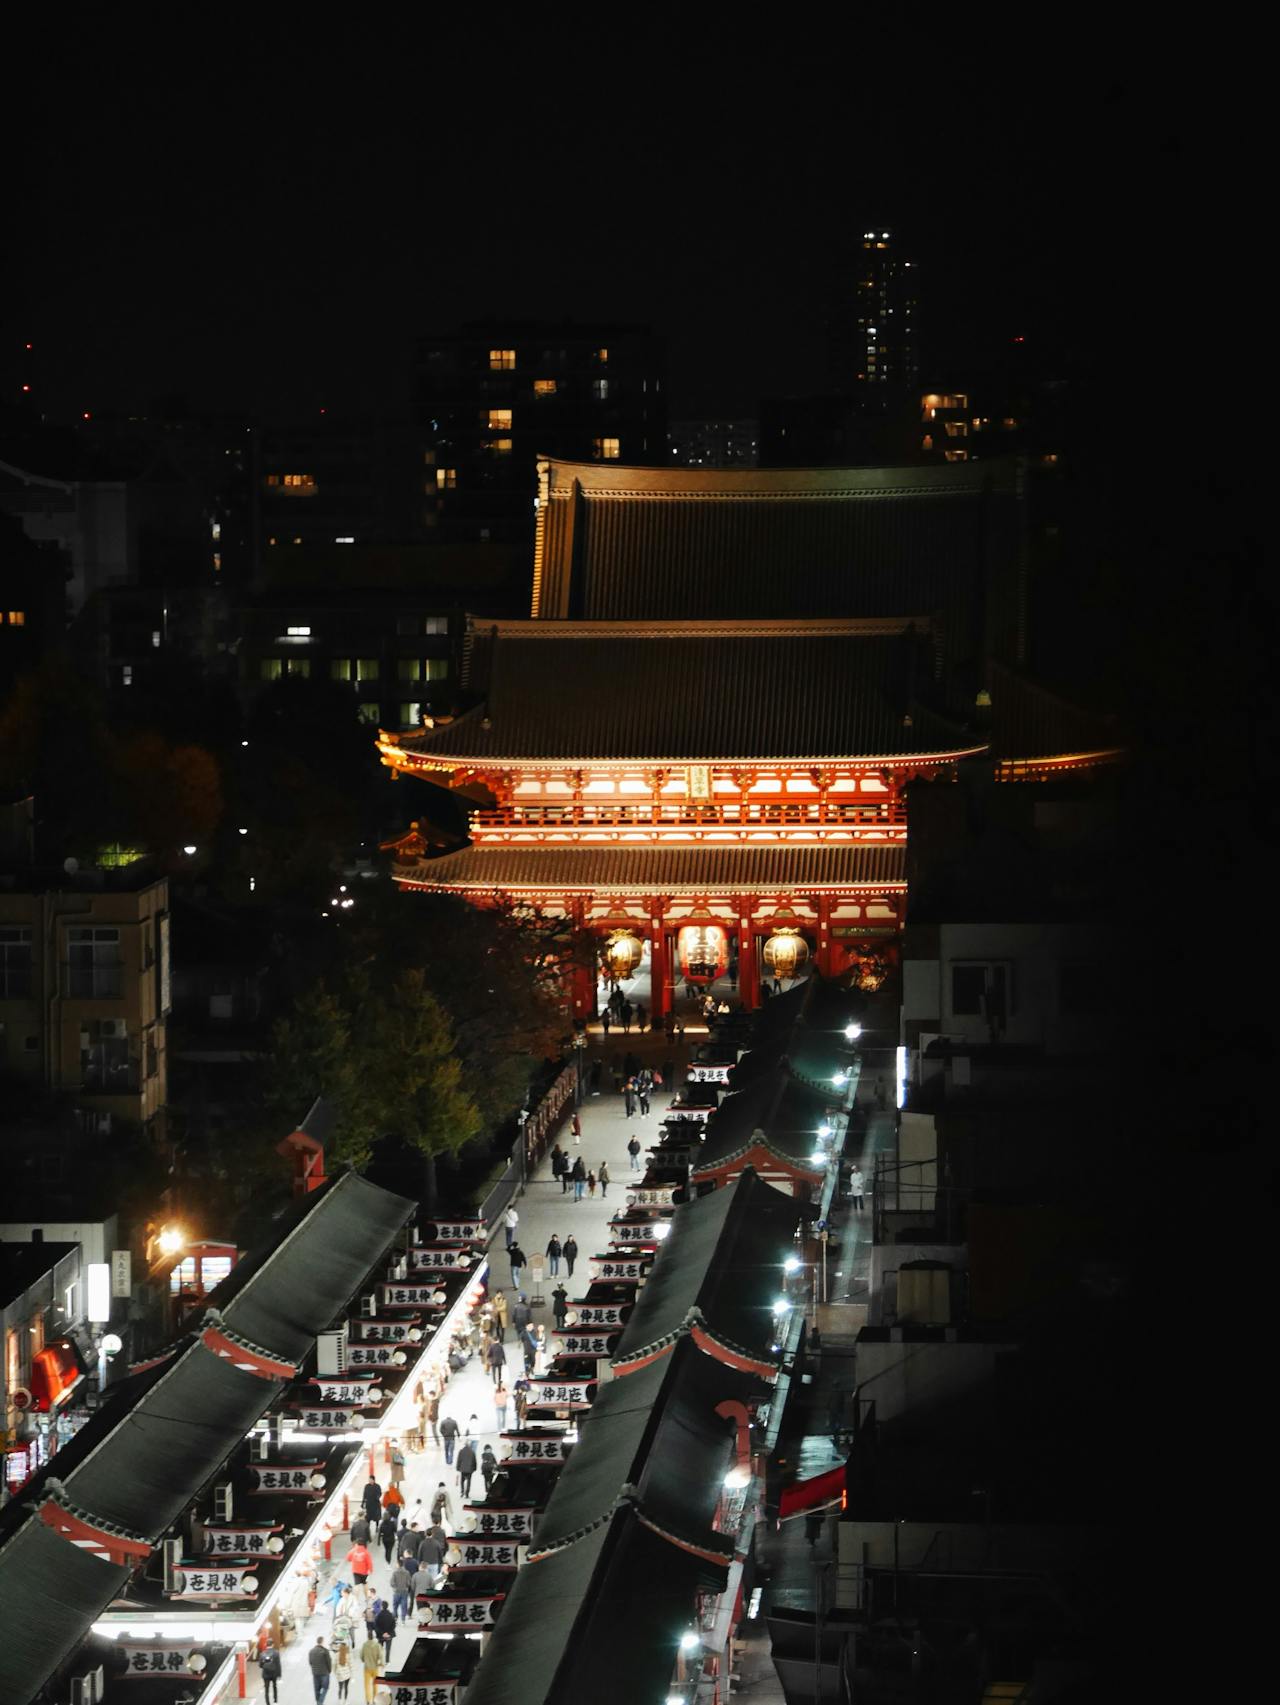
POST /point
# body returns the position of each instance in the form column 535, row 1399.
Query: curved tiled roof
column 694, row 693
column 703, row 869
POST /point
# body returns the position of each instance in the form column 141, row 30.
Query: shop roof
column 701, row 869
column 785, row 1109
column 51, row 1593
column 685, row 692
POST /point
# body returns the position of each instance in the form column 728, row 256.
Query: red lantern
column 704, row 952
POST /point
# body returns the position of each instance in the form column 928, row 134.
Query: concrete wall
column 910, row 1379
column 886, row 1258
column 965, row 1547
column 97, row 1238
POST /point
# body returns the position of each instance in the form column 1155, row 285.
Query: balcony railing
column 646, row 815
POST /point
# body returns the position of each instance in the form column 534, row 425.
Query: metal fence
column 543, row 1121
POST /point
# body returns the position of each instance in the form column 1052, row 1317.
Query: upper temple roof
column 624, row 543
column 693, row 692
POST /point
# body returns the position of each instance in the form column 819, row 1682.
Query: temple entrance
column 634, row 985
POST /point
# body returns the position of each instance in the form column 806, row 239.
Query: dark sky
column 260, row 214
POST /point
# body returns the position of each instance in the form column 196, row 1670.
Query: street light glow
column 661, row 1230
column 840, row 1079
column 781, row 1306
column 792, row 1264
column 171, row 1240
column 852, row 1032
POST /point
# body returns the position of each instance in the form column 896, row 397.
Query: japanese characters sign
column 456, row 1260
column 560, row 1394
column 324, row 1420
column 410, row 1296
column 574, row 1343
column 632, row 1231
column 677, row 1112
column 154, row 1659
column 373, row 1355
column 238, row 1541
column 266, row 1477
column 419, row 1692
column 384, row 1331
column 502, row 1524
column 548, row 1448
column 453, row 1231
column 709, row 1074
column 651, row 1196
column 457, row 1612
column 599, row 1314
column 348, row 1389
column 619, row 1267
column 217, row 1580
column 468, row 1551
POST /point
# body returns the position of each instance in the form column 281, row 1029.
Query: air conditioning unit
column 172, row 1557
column 399, row 1271
column 259, row 1445
column 369, row 1306
column 331, row 1351
column 84, row 1038
column 222, row 1502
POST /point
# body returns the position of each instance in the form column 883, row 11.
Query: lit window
column 601, row 388
column 215, row 531
column 297, row 666
column 435, row 624
column 602, row 356
column 434, row 668
column 410, row 714
column 502, row 360
column 126, row 674
column 17, row 618
column 339, row 668
column 368, row 712
column 446, row 479
column 1009, row 423
column 1049, row 461
column 408, row 669
column 298, row 633
column 927, row 441
column 956, row 455
column 544, row 387
column 367, row 669
column 957, row 428
column 217, row 562
column 499, row 420
column 500, row 446
column 608, row 449
column 270, row 668
column 304, row 484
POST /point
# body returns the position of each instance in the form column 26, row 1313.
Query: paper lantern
column 785, row 952
column 621, row 956
column 704, row 952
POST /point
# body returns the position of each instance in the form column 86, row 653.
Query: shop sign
column 553, row 1448
column 502, row 1523
column 634, row 1231
column 418, row 1692
column 328, row 1420
column 622, row 1266
column 583, row 1344
column 384, row 1331
column 295, row 1478
column 228, row 1580
column 466, row 1551
column 651, row 1196
column 238, row 1541
column 676, row 1113
column 122, row 1272
column 599, row 1314
column 412, row 1296
column 154, row 1660
column 348, row 1389
column 441, row 1260
column 559, row 1394
column 457, row 1612
column 709, row 1074
column 453, row 1231
column 372, row 1355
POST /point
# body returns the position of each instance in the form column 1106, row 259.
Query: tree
column 426, row 1101
column 317, row 1051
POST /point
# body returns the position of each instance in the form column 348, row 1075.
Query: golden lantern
column 703, row 951
column 785, row 952
column 621, row 956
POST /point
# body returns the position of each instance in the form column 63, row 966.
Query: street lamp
column 852, row 1032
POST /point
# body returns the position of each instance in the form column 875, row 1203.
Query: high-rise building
column 497, row 394
column 886, row 303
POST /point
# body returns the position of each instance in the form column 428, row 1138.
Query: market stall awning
column 823, row 1491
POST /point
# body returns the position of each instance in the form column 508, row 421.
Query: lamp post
column 579, row 1051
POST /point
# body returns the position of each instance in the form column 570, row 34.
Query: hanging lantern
column 704, row 952
column 785, row 952
column 621, row 956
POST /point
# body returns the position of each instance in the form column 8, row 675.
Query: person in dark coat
column 606, row 1019
column 360, row 1529
column 560, row 1167
column 371, row 1498
column 516, row 1257
column 496, row 1360
column 553, row 1254
column 321, row 1662
column 521, row 1313
column 388, row 1528
column 629, row 1096
column 529, row 1348
column 570, row 1253
column 449, row 1434
column 626, row 1018
column 269, row 1670
column 488, row 1468
column 579, row 1179
column 384, row 1628
column 560, row 1304
column 467, row 1465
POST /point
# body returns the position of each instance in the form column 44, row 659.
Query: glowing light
column 840, row 1079
column 661, row 1230
column 900, row 1061
column 852, row 1032
column 792, row 1264
column 111, row 1344
column 736, row 1478
column 171, row 1239
column 781, row 1306
column 818, row 1158
column 190, row 851
column 689, row 1642
column 826, row 1131
column 244, row 831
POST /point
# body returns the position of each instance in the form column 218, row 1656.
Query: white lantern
column 318, row 1482
column 275, row 1544
column 399, row 1358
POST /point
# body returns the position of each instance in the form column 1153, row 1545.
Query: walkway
column 543, row 1210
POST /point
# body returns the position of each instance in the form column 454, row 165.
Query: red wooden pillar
column 824, row 955
column 748, row 962
column 659, row 970
column 583, row 988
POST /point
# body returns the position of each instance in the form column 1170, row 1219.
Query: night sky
column 260, row 216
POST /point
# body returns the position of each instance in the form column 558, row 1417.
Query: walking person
column 371, row 1658
column 496, row 1359
column 570, row 1252
column 442, row 1506
column 521, row 1314
column 388, row 1529
column 360, row 1529
column 855, row 1188
column 467, row 1465
column 371, row 1498
column 644, row 1083
column 633, row 1149
column 501, row 1313
column 360, row 1563
column 510, row 1220
column 384, row 1627
column 501, row 1397
column 606, row 1018
column 488, row 1468
column 529, row 1349
column 559, row 1167
column 560, row 1304
column 269, row 1670
column 343, row 1669
column 401, row 1593
column 579, row 1180
column 521, row 1399
column 393, row 1501
column 591, row 1184
column 321, row 1668
column 516, row 1257
column 397, row 1463
column 449, row 1434
column 553, row 1255
column 431, row 1416
column 642, row 1018
column 604, row 1179
column 626, row 1017
column 431, row 1550
column 629, row 1096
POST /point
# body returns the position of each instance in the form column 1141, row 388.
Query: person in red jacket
column 360, row 1563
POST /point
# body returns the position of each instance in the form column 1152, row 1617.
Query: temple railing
column 675, row 815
